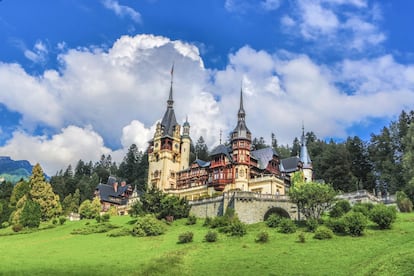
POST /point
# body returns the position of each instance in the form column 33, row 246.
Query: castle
column 232, row 167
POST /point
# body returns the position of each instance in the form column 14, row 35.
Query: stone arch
column 278, row 211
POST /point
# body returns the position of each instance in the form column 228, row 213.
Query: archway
column 277, row 211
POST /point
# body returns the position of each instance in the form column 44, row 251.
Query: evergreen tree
column 258, row 143
column 295, row 147
column 21, row 189
column 201, row 149
column 42, row 193
column 408, row 161
column 31, row 214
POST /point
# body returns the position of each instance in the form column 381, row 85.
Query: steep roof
column 221, row 149
column 108, row 194
column 263, row 156
column 289, row 164
column 241, row 129
column 169, row 121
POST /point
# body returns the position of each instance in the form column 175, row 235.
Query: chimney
column 116, row 186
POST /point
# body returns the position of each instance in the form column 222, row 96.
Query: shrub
column 191, row 220
column 105, row 217
column 405, row 205
column 211, row 236
column 287, row 226
column 185, row 237
column 98, row 219
column 148, row 225
column 312, row 224
column 17, row 227
column 383, row 215
column 340, row 208
column 5, row 224
column 237, row 229
column 273, row 221
column 337, row 225
column 62, row 220
column 262, row 237
column 323, row 233
column 301, row 237
column 94, row 228
column 207, row 221
column 54, row 221
column 363, row 208
column 355, row 223
column 120, row 232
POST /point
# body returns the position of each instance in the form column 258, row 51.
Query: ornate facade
column 231, row 167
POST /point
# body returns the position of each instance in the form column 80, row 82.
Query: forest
column 384, row 164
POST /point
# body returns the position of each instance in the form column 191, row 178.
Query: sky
column 79, row 79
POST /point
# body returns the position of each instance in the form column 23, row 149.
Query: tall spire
column 241, row 114
column 169, row 121
column 241, row 130
column 170, row 101
column 304, row 154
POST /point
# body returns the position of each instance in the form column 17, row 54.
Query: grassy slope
column 56, row 251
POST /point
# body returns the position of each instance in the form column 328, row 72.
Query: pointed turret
column 241, row 131
column 304, row 154
column 169, row 121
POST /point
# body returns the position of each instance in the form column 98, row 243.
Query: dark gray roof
column 108, row 194
column 289, row 164
column 241, row 129
column 263, row 156
column 221, row 149
column 169, row 121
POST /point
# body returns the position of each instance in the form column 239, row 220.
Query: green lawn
column 57, row 252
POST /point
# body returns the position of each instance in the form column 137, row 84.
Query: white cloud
column 101, row 101
column 339, row 24
column 122, row 10
column 57, row 152
column 270, row 5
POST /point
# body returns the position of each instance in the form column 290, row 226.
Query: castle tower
column 165, row 149
column 185, row 146
column 305, row 158
column 241, row 139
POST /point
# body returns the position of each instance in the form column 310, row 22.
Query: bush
column 148, row 225
column 405, row 205
column 62, row 220
column 273, row 220
column 185, row 237
column 287, row 226
column 207, row 221
column 94, row 228
column 120, row 232
column 337, row 225
column 105, row 217
column 355, row 223
column 54, row 221
column 191, row 220
column 211, row 236
column 17, row 227
column 363, row 208
column 383, row 215
column 262, row 237
column 301, row 237
column 323, row 233
column 98, row 219
column 340, row 208
column 312, row 224
column 5, row 224
column 237, row 229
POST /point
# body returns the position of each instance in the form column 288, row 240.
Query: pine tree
column 42, row 193
column 201, row 149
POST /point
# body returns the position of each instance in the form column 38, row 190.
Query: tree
column 71, row 203
column 258, row 143
column 21, row 189
column 201, row 149
column 31, row 214
column 295, row 151
column 312, row 198
column 90, row 209
column 42, row 193
column 408, row 161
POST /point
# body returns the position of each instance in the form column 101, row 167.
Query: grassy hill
column 58, row 252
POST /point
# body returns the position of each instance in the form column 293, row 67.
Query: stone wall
column 250, row 207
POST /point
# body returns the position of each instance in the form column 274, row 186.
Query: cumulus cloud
column 122, row 10
column 345, row 24
column 55, row 153
column 100, row 101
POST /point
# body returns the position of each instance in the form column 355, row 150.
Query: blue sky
column 79, row 79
